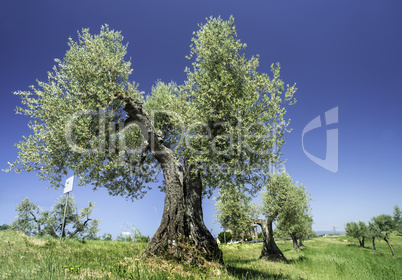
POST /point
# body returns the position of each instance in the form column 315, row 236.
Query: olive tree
column 397, row 216
column 273, row 202
column 235, row 210
column 374, row 232
column 357, row 230
column 295, row 218
column 28, row 219
column 386, row 225
column 219, row 126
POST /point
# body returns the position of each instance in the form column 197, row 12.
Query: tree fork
column 270, row 250
column 182, row 234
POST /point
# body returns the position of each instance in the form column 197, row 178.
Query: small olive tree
column 374, row 232
column 33, row 221
column 386, row 225
column 28, row 219
column 397, row 216
column 295, row 219
column 235, row 211
column 357, row 230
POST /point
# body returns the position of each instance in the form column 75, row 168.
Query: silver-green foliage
column 360, row 231
column 397, row 216
column 74, row 116
column 28, row 219
column 290, row 203
column 227, row 118
column 275, row 195
column 234, row 210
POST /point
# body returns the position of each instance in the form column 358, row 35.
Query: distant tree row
column 33, row 221
column 380, row 227
column 282, row 201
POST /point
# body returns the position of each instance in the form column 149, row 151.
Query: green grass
column 321, row 258
column 23, row 257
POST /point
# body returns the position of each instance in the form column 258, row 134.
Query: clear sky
column 344, row 54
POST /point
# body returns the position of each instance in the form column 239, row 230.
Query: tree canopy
column 226, row 115
column 397, row 216
column 359, row 231
column 295, row 217
column 225, row 124
column 235, row 211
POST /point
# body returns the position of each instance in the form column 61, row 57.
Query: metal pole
column 64, row 218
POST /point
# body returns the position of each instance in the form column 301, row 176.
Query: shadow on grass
column 298, row 259
column 291, row 249
column 247, row 273
column 242, row 261
column 357, row 246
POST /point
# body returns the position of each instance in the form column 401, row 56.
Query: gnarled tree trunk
column 182, row 234
column 203, row 240
column 390, row 247
column 270, row 250
column 300, row 242
column 294, row 239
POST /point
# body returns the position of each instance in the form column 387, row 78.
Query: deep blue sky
column 340, row 53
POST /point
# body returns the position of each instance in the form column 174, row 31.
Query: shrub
column 248, row 238
column 221, row 236
column 4, row 227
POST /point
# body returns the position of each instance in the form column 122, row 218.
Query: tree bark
column 199, row 234
column 79, row 228
column 182, row 234
column 300, row 242
column 361, row 242
column 374, row 249
column 390, row 247
column 294, row 239
column 270, row 250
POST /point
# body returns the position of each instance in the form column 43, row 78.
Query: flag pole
column 64, row 217
column 67, row 189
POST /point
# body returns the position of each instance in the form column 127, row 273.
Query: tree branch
column 79, row 228
column 36, row 221
column 153, row 138
column 259, row 222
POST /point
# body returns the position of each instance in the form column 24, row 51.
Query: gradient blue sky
column 340, row 53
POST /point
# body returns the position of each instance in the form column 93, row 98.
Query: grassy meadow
column 23, row 257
